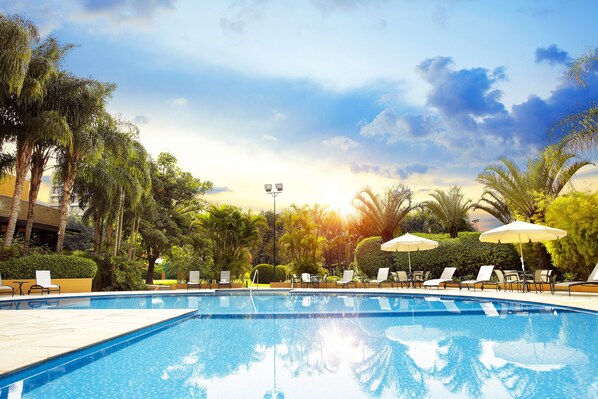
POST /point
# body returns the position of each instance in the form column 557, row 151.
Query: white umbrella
column 407, row 243
column 539, row 356
column 520, row 232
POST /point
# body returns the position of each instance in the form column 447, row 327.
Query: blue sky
column 328, row 96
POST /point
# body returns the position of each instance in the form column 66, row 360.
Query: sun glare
column 343, row 206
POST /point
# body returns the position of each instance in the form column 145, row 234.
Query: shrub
column 60, row 266
column 127, row 276
column 467, row 253
column 265, row 273
column 369, row 257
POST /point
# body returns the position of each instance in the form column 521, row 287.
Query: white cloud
column 341, row 142
column 279, row 116
column 267, row 137
column 177, row 102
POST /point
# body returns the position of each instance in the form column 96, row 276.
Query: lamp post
column 268, row 188
column 475, row 221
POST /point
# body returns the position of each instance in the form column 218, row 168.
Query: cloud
column 267, row 137
column 120, row 11
column 341, row 142
column 279, row 116
column 391, row 128
column 141, row 119
column 220, row 189
column 390, row 172
column 552, row 55
column 406, row 171
column 178, row 102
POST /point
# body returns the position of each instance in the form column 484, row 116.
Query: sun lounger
column 483, row 277
column 445, row 277
column 5, row 288
column 401, row 278
column 43, row 282
column 224, row 279
column 381, row 278
column 347, row 279
column 592, row 280
column 194, row 280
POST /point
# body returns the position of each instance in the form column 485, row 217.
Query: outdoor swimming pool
column 332, row 345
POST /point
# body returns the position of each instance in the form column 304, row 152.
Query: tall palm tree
column 17, row 36
column 451, row 208
column 91, row 132
column 581, row 128
column 27, row 120
column 381, row 214
column 493, row 203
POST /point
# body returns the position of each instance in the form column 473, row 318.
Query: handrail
column 256, row 278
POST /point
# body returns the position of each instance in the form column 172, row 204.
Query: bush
column 127, row 276
column 60, row 266
column 265, row 273
column 467, row 253
column 369, row 257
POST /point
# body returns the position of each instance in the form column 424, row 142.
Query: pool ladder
column 256, row 280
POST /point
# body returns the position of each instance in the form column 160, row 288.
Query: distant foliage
column 466, row 252
column 127, row 276
column 265, row 273
column 60, row 266
column 369, row 257
column 578, row 251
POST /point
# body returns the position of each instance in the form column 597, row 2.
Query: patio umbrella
column 520, row 232
column 407, row 243
column 539, row 356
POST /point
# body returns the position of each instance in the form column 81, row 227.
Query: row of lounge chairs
column 194, row 280
column 43, row 282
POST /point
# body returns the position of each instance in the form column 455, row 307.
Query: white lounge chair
column 43, row 282
column 445, row 277
column 592, row 280
column 224, row 278
column 6, row 287
column 381, row 278
column 347, row 279
column 305, row 280
column 194, row 280
column 483, row 277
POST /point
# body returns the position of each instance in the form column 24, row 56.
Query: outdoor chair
column 347, row 279
column 445, row 277
column 541, row 277
column 305, row 280
column 43, row 282
column 592, row 280
column 5, row 288
column 194, row 280
column 419, row 277
column 401, row 278
column 224, row 279
column 483, row 277
column 381, row 278
column 295, row 280
column 499, row 282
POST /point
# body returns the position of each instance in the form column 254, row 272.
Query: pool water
column 340, row 346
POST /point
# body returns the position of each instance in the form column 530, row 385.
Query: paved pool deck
column 28, row 337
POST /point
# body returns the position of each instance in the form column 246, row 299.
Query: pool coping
column 71, row 332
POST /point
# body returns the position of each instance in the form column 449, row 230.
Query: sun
column 343, row 206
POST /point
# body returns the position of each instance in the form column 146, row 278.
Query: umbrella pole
column 521, row 250
column 409, row 255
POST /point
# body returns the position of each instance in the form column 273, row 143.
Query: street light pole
column 268, row 188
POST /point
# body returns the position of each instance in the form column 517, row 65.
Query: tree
column 451, row 208
column 167, row 215
column 233, row 234
column 303, row 241
column 91, row 132
column 576, row 214
column 26, row 120
column 581, row 128
column 381, row 215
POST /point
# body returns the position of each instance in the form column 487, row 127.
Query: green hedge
column 467, row 253
column 369, row 257
column 60, row 266
column 265, row 273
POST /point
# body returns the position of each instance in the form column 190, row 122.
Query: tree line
column 143, row 209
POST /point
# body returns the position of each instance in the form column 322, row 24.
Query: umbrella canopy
column 407, row 243
column 520, row 232
column 539, row 356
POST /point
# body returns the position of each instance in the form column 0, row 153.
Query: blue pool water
column 347, row 346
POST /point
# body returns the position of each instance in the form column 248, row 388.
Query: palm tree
column 494, row 204
column 381, row 214
column 450, row 208
column 27, row 120
column 17, row 36
column 91, row 133
column 581, row 128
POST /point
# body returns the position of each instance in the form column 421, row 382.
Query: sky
column 330, row 96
